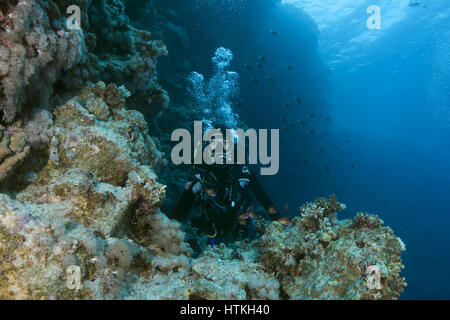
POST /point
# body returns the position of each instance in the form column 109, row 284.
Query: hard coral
column 33, row 55
column 13, row 150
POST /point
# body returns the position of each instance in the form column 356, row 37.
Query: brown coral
column 13, row 151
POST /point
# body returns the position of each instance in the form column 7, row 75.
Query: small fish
column 262, row 59
column 286, row 105
column 290, row 68
column 272, row 210
column 255, row 81
column 243, row 222
column 252, row 215
column 292, row 125
column 303, row 123
column 312, row 115
column 327, row 169
column 305, row 161
column 270, row 78
column 274, row 33
column 259, row 65
column 352, row 166
column 312, row 132
column 322, row 149
column 328, row 119
column 286, row 222
column 286, row 207
column 299, row 101
column 132, row 133
column 244, row 216
column 248, row 67
column 283, row 119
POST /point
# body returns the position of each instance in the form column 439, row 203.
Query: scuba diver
column 223, row 195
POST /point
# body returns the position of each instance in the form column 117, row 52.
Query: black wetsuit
column 223, row 195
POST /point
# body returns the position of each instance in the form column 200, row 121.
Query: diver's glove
column 243, row 182
column 194, row 185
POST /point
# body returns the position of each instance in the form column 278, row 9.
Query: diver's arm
column 262, row 197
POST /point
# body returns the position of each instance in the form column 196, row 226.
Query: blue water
column 390, row 97
column 384, row 148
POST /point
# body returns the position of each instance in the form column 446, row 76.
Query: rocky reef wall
column 80, row 197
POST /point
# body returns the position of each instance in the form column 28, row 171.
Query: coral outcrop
column 81, row 207
column 40, row 56
column 320, row 257
column 34, row 49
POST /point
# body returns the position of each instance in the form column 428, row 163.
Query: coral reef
column 13, row 150
column 323, row 258
column 126, row 248
column 34, row 49
column 80, row 201
column 99, row 175
column 40, row 56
